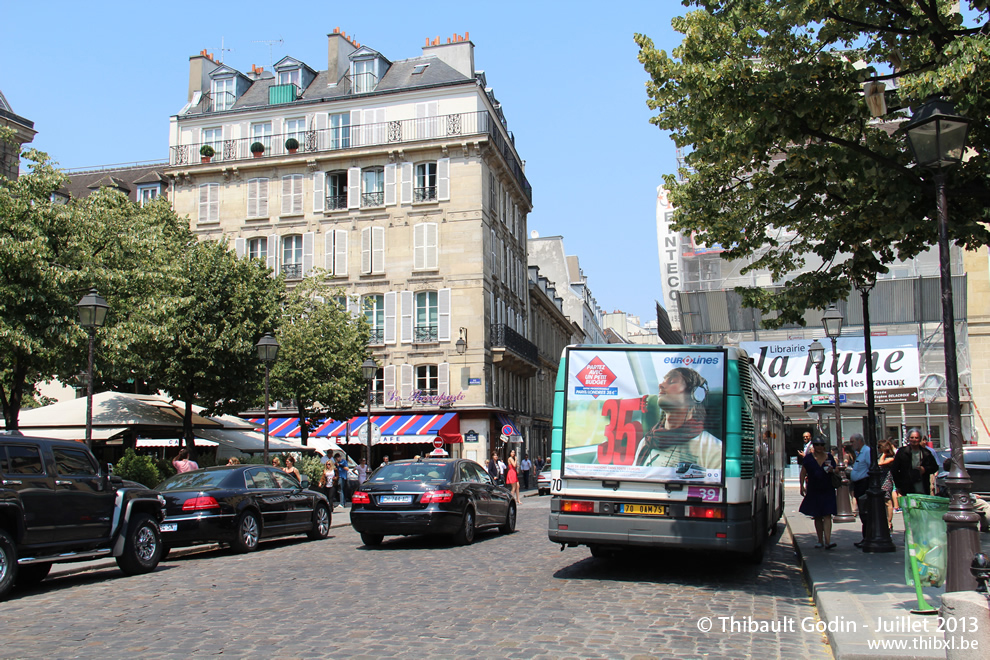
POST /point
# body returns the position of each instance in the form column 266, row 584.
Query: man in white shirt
column 526, row 466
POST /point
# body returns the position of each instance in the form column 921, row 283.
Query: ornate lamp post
column 267, row 352
column 369, row 369
column 92, row 311
column 832, row 322
column 877, row 531
column 937, row 136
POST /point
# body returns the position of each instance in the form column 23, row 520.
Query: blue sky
column 100, row 81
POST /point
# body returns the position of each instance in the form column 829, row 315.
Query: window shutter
column 273, row 253
column 443, row 179
column 354, row 305
column 204, row 202
column 390, row 385
column 309, row 243
column 286, row 195
column 443, row 315
column 239, row 247
column 321, row 121
column 319, row 192
column 377, row 249
column 407, row 183
column 356, row 130
column 443, row 375
column 494, row 257
column 431, row 244
column 406, row 387
column 502, row 254
column 390, row 317
column 328, row 252
column 419, row 246
column 366, row 250
column 252, row 201
column 354, row 188
column 262, row 198
column 340, row 252
column 390, row 184
column 406, row 322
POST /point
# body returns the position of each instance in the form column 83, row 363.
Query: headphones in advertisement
column 700, row 392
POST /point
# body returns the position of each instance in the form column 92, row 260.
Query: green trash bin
column 925, row 542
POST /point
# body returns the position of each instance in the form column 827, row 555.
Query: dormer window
column 364, row 77
column 290, row 77
column 222, row 94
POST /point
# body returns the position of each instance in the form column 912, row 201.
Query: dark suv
column 977, row 460
column 57, row 505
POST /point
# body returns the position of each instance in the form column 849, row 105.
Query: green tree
column 137, row 468
column 784, row 158
column 321, row 348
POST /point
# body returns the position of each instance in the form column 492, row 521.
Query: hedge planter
column 257, row 149
column 292, row 145
column 206, row 153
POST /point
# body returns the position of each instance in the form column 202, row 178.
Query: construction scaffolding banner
column 787, row 367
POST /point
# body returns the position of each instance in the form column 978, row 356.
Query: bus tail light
column 707, row 512
column 577, row 506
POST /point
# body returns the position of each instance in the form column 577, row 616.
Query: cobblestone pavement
column 513, row 596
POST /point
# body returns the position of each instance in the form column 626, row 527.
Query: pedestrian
column 818, row 491
column 181, row 463
column 501, row 472
column 233, row 460
column 329, row 480
column 276, row 463
column 913, row 466
column 290, row 467
column 362, row 471
column 512, row 477
column 384, row 461
column 526, row 465
column 492, row 467
column 342, row 478
column 538, row 464
column 806, row 449
column 860, row 478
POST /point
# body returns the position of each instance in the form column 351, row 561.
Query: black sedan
column 431, row 496
column 239, row 505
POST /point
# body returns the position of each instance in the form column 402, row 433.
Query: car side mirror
column 115, row 481
column 305, row 482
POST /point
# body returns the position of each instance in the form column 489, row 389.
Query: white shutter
column 406, row 386
column 366, row 250
column 204, row 202
column 443, row 374
column 494, row 257
column 273, row 253
column 390, row 184
column 443, row 179
column 309, row 243
column 501, row 258
column 319, row 191
column 328, row 252
column 390, row 385
column 419, row 246
column 239, row 247
column 431, row 245
column 262, row 198
column 286, row 195
column 377, row 249
column 443, row 315
column 354, row 188
column 353, row 305
column 321, row 121
column 292, row 194
column 390, row 317
column 407, row 183
column 252, row 201
column 340, row 252
column 406, row 317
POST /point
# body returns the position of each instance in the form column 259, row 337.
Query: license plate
column 168, row 527
column 644, row 509
column 395, row 499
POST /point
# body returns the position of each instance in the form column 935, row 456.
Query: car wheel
column 465, row 535
column 509, row 525
column 142, row 546
column 372, row 540
column 321, row 523
column 598, row 552
column 32, row 574
column 248, row 533
column 8, row 563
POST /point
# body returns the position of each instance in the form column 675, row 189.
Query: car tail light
column 436, row 497
column 574, row 506
column 711, row 513
column 360, row 497
column 200, row 504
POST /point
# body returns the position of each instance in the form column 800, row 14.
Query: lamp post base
column 877, row 532
column 843, row 501
column 962, row 525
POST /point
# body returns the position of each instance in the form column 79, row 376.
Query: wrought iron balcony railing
column 362, row 135
column 336, row 202
column 504, row 336
column 376, row 337
column 428, row 194
column 425, row 334
column 372, row 199
column 292, row 271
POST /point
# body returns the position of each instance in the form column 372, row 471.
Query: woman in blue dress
column 818, row 491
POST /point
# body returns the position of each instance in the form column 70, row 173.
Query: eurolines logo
column 596, row 379
column 687, row 360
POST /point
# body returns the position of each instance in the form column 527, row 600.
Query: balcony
column 364, row 135
column 425, row 334
column 372, row 199
column 513, row 352
column 336, row 202
column 428, row 194
column 292, row 271
column 278, row 94
column 376, row 337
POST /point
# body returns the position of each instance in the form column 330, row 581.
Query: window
column 372, row 187
column 426, row 183
column 364, row 76
column 418, row 69
column 149, row 192
column 374, row 311
column 24, row 460
column 262, row 133
column 427, row 313
column 296, row 128
column 73, row 463
column 290, row 77
column 222, row 95
column 335, row 252
column 257, row 198
column 493, row 194
column 340, row 130
column 378, row 387
column 214, row 138
column 425, row 246
column 428, row 379
column 373, row 250
column 292, row 253
column 336, row 190
column 292, row 194
column 257, row 248
column 209, row 202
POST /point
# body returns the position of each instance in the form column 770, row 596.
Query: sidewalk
column 855, row 591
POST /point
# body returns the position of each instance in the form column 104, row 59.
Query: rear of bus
column 655, row 446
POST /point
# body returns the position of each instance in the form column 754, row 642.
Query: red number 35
column 621, row 433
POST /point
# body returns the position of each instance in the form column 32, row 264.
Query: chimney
column 339, row 47
column 200, row 67
column 458, row 52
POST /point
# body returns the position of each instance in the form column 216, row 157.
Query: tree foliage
column 321, row 348
column 785, row 162
column 139, row 468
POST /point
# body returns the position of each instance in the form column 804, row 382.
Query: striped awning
column 506, row 424
column 392, row 429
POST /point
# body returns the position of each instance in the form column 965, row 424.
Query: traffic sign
column 438, row 442
column 507, row 430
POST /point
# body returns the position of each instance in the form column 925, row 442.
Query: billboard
column 644, row 415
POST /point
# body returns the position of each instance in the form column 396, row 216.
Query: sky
column 100, row 81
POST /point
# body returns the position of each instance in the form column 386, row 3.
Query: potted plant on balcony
column 291, row 145
column 206, row 152
column 257, row 149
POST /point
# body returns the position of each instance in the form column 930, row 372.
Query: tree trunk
column 303, row 424
column 12, row 401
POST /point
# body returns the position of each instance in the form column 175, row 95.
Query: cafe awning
column 391, row 429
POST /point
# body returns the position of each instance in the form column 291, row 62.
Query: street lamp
column 937, row 136
column 267, row 352
column 369, row 369
column 832, row 322
column 816, row 355
column 877, row 532
column 461, row 343
column 92, row 311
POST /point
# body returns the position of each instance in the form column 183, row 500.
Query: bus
column 665, row 447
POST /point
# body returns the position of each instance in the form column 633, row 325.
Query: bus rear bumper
column 680, row 533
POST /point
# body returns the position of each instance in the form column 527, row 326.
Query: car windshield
column 192, row 480
column 413, row 472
